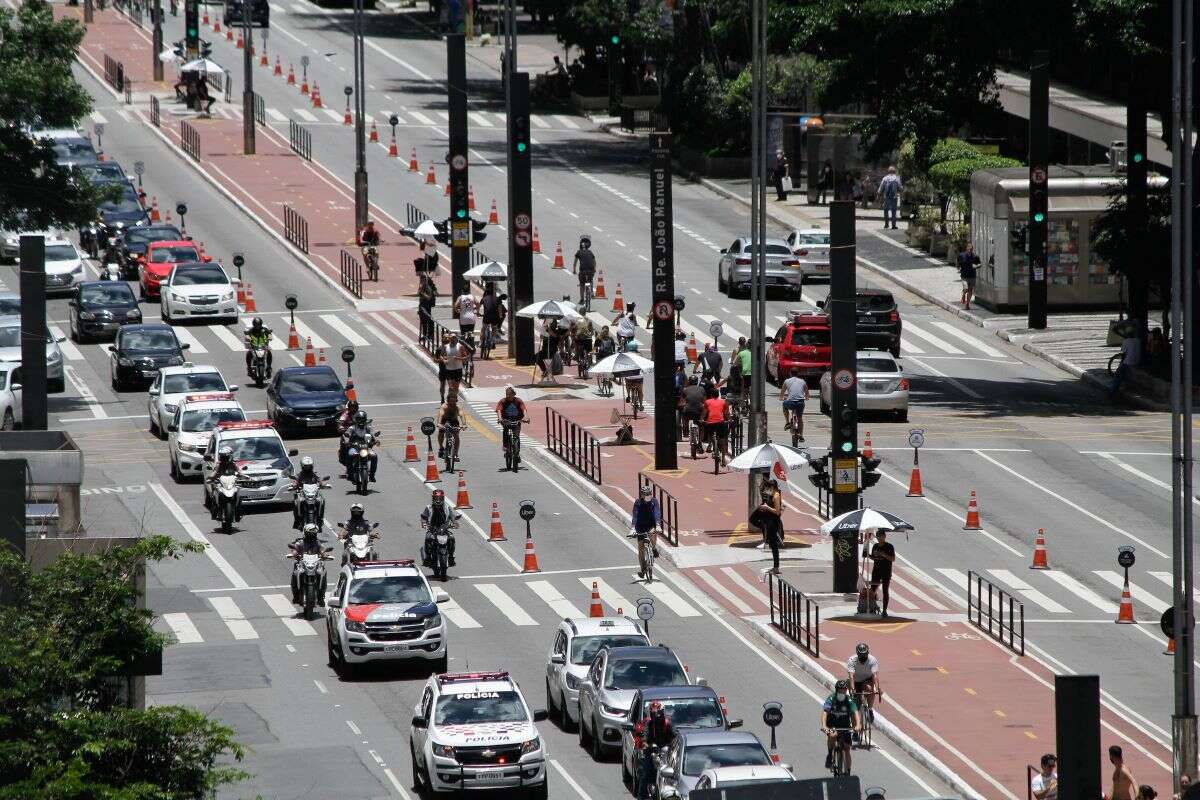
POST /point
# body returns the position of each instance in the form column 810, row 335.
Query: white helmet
column 225, row 452
column 306, row 462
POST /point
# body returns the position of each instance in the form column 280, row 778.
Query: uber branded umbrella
column 551, row 309
column 426, row 228
column 766, row 456
column 865, row 519
column 622, row 365
column 168, row 55
column 491, row 271
column 202, row 65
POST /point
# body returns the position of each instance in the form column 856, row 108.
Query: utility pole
column 33, row 332
column 460, row 221
column 844, row 406
column 662, row 296
column 520, row 219
column 360, row 118
column 156, row 62
column 757, row 424
column 248, row 146
column 1039, row 173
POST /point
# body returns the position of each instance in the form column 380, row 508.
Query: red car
column 159, row 259
column 802, row 342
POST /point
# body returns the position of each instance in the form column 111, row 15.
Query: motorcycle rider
column 258, row 336
column 354, row 437
column 654, row 730
column 307, row 474
column 438, row 515
column 358, row 523
column 224, row 466
column 347, row 417
column 307, row 543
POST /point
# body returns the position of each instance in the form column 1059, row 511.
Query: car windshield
column 258, row 448
column 811, row 238
column 107, row 294
column 148, row 340
column 810, row 337
column 168, row 254
column 877, row 365
column 10, row 336
column 146, row 235
column 772, row 250
column 298, row 383
column 128, row 201
column 199, row 277
column 700, row 757
column 874, row 302
column 104, row 171
column 584, row 648
column 693, row 712
column 73, row 150
column 394, row 589
column 751, row 782
column 194, row 382
column 60, row 252
column 472, row 708
column 10, row 305
column 636, row 674
column 205, row 419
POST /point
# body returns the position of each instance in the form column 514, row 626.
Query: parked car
column 782, row 268
column 139, row 351
column 10, row 395
column 811, row 248
column 305, row 397
column 10, row 350
column 100, row 308
column 693, row 752
column 105, row 172
column 881, row 385
column 803, row 342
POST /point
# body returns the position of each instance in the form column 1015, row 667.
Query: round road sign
column 645, row 609
column 458, row 161
column 239, row 260
column 305, row 61
column 347, row 354
column 181, row 209
column 139, row 167
column 715, row 329
column 664, row 310
column 428, row 426
column 1038, row 175
column 772, row 714
column 1125, row 556
column 393, row 120
column 1167, row 623
column 99, row 128
column 916, row 438
column 843, row 379
column 527, row 510
column 291, row 303
column 521, row 238
column 522, row 221
column 349, row 90
column 679, row 302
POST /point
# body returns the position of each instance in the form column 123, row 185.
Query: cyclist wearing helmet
column 646, row 518
column 584, row 264
column 354, row 438
column 438, row 515
column 653, row 731
column 258, row 335
column 839, row 716
column 863, row 669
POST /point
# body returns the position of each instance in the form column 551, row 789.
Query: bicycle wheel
column 1114, row 362
column 839, row 760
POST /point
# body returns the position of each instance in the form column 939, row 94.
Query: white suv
column 192, row 425
column 474, row 731
column 575, row 646
column 262, row 459
column 385, row 611
column 172, row 383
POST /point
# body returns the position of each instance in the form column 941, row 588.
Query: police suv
column 191, row 426
column 260, row 456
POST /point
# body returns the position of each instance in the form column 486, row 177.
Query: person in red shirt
column 716, row 421
column 654, row 730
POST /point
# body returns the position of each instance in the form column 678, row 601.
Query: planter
column 712, row 166
column 938, row 244
column 918, row 236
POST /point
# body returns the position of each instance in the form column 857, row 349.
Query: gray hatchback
column 692, row 752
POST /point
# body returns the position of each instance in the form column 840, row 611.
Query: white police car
column 473, row 730
column 575, row 646
column 172, row 383
column 259, row 453
column 189, row 430
column 385, row 611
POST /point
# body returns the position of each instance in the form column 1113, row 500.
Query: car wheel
column 56, row 385
column 176, row 475
column 554, row 712
column 416, row 773
column 155, row 428
column 720, row 281
column 10, row 422
column 895, row 351
column 585, row 741
column 597, row 747
column 902, row 415
column 626, row 775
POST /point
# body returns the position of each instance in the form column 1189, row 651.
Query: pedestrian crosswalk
column 523, row 602
column 330, row 116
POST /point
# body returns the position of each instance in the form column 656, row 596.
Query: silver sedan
column 881, row 385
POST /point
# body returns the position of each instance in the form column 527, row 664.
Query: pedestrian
column 768, row 517
column 866, row 191
column 889, row 193
column 1131, row 356
column 1185, row 781
column 824, row 181
column 1146, row 792
column 882, row 556
column 1123, row 784
column 781, row 176
column 203, row 96
column 846, row 190
column 968, row 268
column 1045, row 783
column 426, row 299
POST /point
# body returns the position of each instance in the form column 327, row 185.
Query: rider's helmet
column 438, row 497
column 360, row 418
column 257, row 323
column 585, row 242
column 225, row 453
column 842, row 686
column 656, row 709
column 310, row 534
column 306, row 463
column 352, row 408
column 862, row 650
column 874, row 793
column 356, row 511
column 646, row 491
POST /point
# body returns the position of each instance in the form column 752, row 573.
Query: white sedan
column 172, row 384
column 811, row 248
column 10, row 395
column 198, row 289
column 881, row 385
column 64, row 266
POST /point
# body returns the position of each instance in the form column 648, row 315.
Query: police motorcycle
column 358, row 536
column 308, row 576
column 438, row 519
column 309, row 504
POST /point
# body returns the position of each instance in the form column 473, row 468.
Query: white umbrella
column 550, row 309
column 862, row 519
column 491, row 271
column 426, row 228
column 621, row 364
column 202, row 65
column 766, row 456
column 168, row 56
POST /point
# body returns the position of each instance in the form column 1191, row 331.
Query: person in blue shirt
column 646, row 521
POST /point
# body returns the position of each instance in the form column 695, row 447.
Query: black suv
column 260, row 13
column 140, row 351
column 878, row 321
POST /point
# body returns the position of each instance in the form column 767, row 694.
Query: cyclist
column 448, row 415
column 584, row 265
column 258, row 335
column 646, row 518
column 863, row 669
column 452, row 355
column 680, row 348
column 709, row 364
column 368, row 242
column 583, row 333
column 510, row 413
column 793, row 392
column 626, row 326
column 716, row 420
column 693, row 398
column 839, row 716
column 653, row 731
column 492, row 306
column 605, row 346
column 466, row 308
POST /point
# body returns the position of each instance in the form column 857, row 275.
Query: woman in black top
column 769, row 517
column 883, row 555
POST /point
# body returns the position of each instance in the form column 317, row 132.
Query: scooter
column 227, row 505
column 436, row 552
column 258, row 365
column 310, row 504
column 360, row 545
column 360, row 463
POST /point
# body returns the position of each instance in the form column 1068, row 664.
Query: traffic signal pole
column 520, row 220
column 460, row 220
column 844, row 405
column 662, row 286
column 157, row 47
column 1039, row 173
column 248, row 145
column 191, row 28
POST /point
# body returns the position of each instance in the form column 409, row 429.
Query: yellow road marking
column 915, row 652
column 970, row 691
column 943, row 670
column 1031, row 734
column 999, row 713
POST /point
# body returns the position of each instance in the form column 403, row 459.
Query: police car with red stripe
column 264, row 464
column 191, row 426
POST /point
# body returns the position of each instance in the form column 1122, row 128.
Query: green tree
column 1152, row 269
column 37, row 90
column 66, row 630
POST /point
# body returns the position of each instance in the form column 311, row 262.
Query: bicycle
column 718, row 450
column 645, row 554
column 583, row 362
column 868, row 717
column 840, row 749
column 371, row 257
column 450, row 445
column 487, row 340
column 585, row 297
column 1114, row 362
column 696, row 439
column 633, row 394
column 512, row 443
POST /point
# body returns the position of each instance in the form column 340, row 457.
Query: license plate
column 822, row 268
column 149, row 373
column 395, row 648
column 866, row 318
column 489, row 776
column 315, row 423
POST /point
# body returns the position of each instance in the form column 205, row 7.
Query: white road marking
column 452, row 611
column 986, row 349
column 747, row 586
column 505, row 604
column 69, row 350
column 353, row 728
column 1077, row 588
column 671, row 600
column 916, row 590
column 936, row 341
column 348, row 333
column 1132, row 470
column 308, row 333
column 193, row 532
column 538, row 122
column 233, row 617
column 1140, row 595
column 956, row 576
column 183, row 628
column 304, row 114
column 286, row 612
column 907, row 347
column 561, row 605
column 421, row 118
column 85, row 392
column 1030, row 593
column 276, row 115
column 1169, row 580
column 320, row 686
column 723, row 591
column 608, row 595
column 185, row 336
column 566, row 776
column 480, row 119
column 396, row 784
column 567, row 121
column 232, row 342
column 98, row 117
column 955, row 382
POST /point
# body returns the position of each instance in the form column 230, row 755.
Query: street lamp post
column 360, row 116
column 247, row 85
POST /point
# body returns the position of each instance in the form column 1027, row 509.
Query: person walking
column 824, row 181
column 1131, row 356
column 768, row 517
column 882, row 555
column 890, row 189
column 968, row 268
column 782, row 170
column 426, row 299
column 1123, row 784
column 1045, row 783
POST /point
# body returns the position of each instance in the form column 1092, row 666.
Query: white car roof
column 723, row 775
column 594, row 626
column 873, row 354
column 382, row 569
column 57, row 240
column 188, row 368
column 247, row 433
column 204, row 405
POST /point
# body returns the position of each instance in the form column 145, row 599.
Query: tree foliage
column 66, row 631
column 1110, row 242
column 953, row 176
column 37, row 90
column 590, row 23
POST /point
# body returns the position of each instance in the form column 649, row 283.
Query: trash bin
column 845, row 562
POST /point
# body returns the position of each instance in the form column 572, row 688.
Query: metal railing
column 573, row 444
column 996, row 612
column 128, row 91
column 190, row 138
column 300, row 140
column 352, row 274
column 795, row 614
column 114, row 73
column 431, row 334
column 643, row 119
column 667, row 504
column 260, row 109
column 295, row 228
column 155, row 113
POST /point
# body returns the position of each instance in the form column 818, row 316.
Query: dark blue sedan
column 305, row 397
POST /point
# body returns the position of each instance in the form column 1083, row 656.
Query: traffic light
column 477, row 232
column 846, row 429
column 820, row 476
column 443, row 231
column 615, row 39
column 520, row 133
column 191, row 27
column 869, row 475
column 1038, row 216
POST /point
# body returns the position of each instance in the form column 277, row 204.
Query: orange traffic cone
column 470, row 198
column 204, row 21
column 351, row 393
column 496, row 534
column 410, row 447
column 431, row 176
column 867, row 452
column 241, row 294
column 310, row 355
column 304, row 85
column 263, row 62
column 241, row 43
column 394, row 152
column 278, row 66
column 251, row 307
column 531, row 562
column 972, row 522
column 321, row 356
column 598, row 292
column 558, row 257
column 413, row 166
column 447, row 194
column 229, row 34
column 618, row 300
column 374, row 137
column 1125, row 614
column 291, row 81
column 1040, row 560
column 494, row 214
column 347, row 118
column 914, row 481
column 154, row 215
column 293, row 337
column 316, row 96
column 216, row 24
column 1170, row 651
column 463, row 500
column 431, row 470
column 596, row 610
column 537, row 243
column 691, row 349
